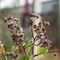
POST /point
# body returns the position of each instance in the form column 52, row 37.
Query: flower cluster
column 39, row 29
column 12, row 54
column 8, row 17
column 45, row 41
column 32, row 18
column 15, row 28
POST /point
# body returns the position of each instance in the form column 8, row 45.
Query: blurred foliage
column 26, row 58
column 4, row 33
column 4, row 12
column 42, row 50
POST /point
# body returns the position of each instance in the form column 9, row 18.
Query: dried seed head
column 39, row 35
column 35, row 26
column 30, row 21
column 9, row 17
column 37, row 31
column 46, row 23
column 12, row 54
column 5, row 19
column 15, row 56
column 2, row 51
column 10, row 24
column 16, row 19
column 17, row 38
column 35, row 15
column 7, row 54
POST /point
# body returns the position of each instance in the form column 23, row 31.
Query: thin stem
column 32, row 37
column 51, row 51
column 35, row 55
column 32, row 31
column 23, row 49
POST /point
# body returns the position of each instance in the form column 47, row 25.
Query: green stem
column 31, row 29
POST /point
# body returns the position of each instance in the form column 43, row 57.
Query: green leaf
column 42, row 50
column 26, row 58
column 28, row 45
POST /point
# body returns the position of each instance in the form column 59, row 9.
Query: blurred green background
column 48, row 9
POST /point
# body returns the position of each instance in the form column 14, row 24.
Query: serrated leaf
column 42, row 50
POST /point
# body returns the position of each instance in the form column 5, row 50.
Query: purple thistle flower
column 15, row 56
column 45, row 40
column 44, row 37
column 12, row 54
column 7, row 54
column 10, row 24
column 8, row 17
column 12, row 30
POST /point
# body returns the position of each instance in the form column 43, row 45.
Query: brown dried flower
column 2, row 51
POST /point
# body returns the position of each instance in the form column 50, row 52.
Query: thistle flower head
column 45, row 41
column 8, row 17
column 46, row 23
column 17, row 38
column 39, row 28
column 12, row 54
column 15, row 28
column 32, row 18
column 34, row 15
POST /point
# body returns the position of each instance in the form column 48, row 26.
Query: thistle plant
column 20, row 49
column 38, row 29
